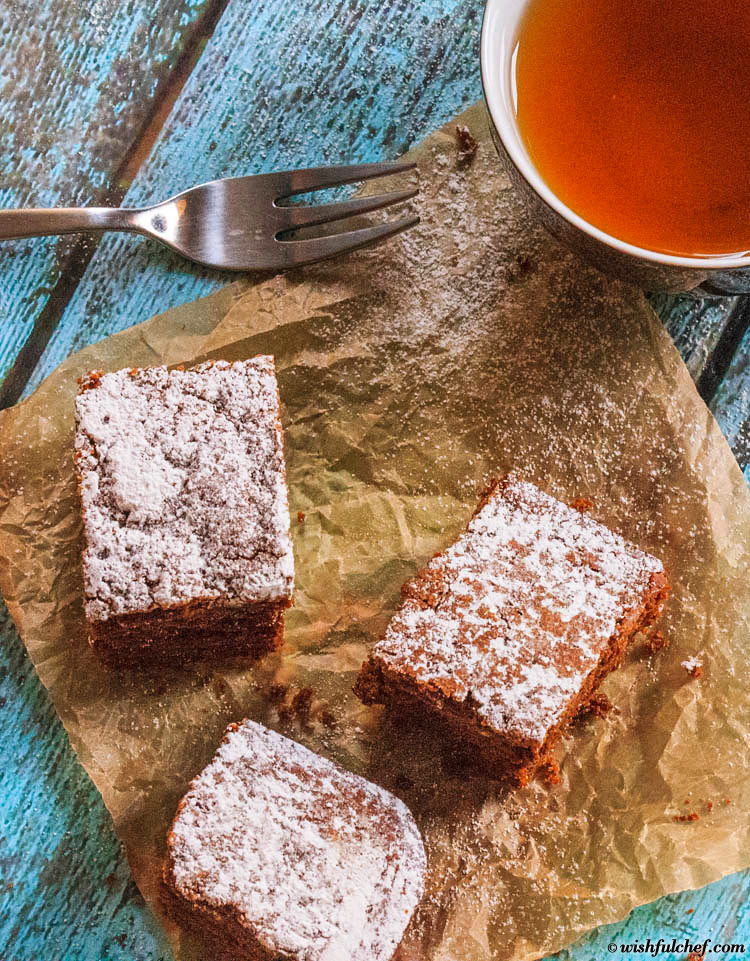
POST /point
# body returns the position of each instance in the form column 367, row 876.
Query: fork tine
column 297, row 252
column 292, row 182
column 293, row 217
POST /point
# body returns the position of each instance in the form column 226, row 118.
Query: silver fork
column 238, row 223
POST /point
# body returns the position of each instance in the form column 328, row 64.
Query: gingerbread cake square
column 187, row 548
column 277, row 853
column 504, row 637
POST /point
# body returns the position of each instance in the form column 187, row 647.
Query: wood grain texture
column 77, row 82
column 731, row 405
column 282, row 83
column 694, row 325
column 65, row 888
column 720, row 911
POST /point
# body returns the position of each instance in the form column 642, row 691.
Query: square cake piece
column 187, row 549
column 505, row 636
column 277, row 853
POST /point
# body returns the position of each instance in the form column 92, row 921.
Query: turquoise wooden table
column 109, row 101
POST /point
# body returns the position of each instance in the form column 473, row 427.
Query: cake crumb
column 549, row 772
column 523, row 777
column 277, row 693
column 301, row 703
column 656, row 642
column 285, row 712
column 694, row 667
column 599, row 706
column 582, row 504
column 327, row 717
column 467, row 145
column 693, row 816
column 90, row 380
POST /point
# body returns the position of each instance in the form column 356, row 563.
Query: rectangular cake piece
column 277, row 854
column 187, row 548
column 504, row 637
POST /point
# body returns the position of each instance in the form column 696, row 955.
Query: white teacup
column 646, row 268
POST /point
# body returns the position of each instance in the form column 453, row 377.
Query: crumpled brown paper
column 408, row 375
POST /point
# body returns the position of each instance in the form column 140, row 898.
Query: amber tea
column 636, row 113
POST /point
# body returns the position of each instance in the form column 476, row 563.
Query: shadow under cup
column 650, row 270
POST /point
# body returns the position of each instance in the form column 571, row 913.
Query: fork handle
column 41, row 223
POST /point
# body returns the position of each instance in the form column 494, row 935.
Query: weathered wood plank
column 720, row 911
column 77, row 83
column 731, row 405
column 65, row 888
column 281, row 84
column 696, row 326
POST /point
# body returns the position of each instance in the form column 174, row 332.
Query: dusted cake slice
column 505, row 636
column 187, row 549
column 277, row 853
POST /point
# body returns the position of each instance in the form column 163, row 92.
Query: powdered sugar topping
column 321, row 864
column 183, row 487
column 517, row 613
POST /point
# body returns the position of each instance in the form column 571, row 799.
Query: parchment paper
column 408, row 375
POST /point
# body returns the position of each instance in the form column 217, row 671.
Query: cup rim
column 505, row 124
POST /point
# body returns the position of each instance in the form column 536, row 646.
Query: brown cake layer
column 502, row 639
column 191, row 633
column 219, row 929
column 187, row 553
column 277, row 853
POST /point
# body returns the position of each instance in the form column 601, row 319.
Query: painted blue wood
column 65, row 888
column 720, row 911
column 694, row 325
column 282, row 83
column 731, row 405
column 77, row 80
